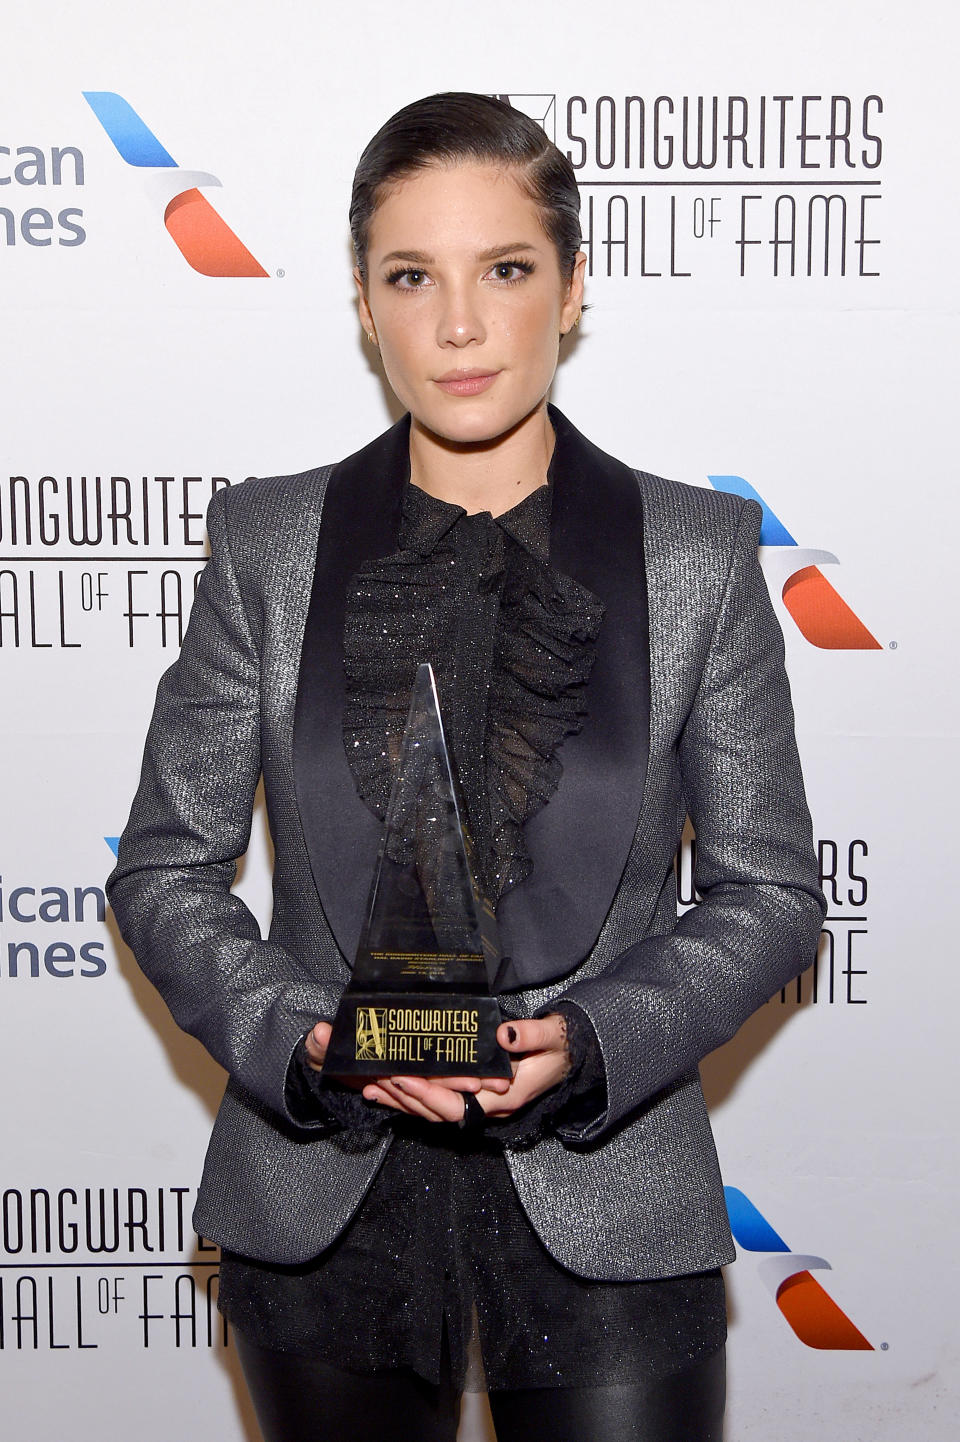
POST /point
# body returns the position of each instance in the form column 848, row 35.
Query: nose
column 460, row 322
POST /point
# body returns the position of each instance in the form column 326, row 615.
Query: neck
column 484, row 476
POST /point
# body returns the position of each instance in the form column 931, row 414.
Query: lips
column 466, row 382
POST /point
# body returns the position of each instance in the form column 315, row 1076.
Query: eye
column 408, row 279
column 511, row 272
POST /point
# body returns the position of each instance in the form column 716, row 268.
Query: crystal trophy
column 419, row 1001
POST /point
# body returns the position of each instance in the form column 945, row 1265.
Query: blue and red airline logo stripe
column 809, row 1309
column 821, row 615
column 199, row 232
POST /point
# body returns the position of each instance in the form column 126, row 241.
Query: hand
column 542, row 1060
column 435, row 1098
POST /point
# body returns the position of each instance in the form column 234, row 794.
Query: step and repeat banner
column 770, row 221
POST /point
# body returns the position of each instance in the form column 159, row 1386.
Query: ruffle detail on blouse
column 382, row 650
column 544, row 650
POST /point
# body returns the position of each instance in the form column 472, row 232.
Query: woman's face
column 465, row 297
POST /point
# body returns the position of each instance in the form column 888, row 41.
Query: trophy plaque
column 419, row 1001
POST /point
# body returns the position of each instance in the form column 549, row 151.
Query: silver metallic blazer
column 688, row 712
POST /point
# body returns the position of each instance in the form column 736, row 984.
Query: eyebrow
column 420, row 257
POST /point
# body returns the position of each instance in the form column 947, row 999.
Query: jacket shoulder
column 274, row 497
column 698, row 512
column 693, row 537
column 268, row 527
column 269, row 514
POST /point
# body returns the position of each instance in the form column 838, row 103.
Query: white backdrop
column 710, row 352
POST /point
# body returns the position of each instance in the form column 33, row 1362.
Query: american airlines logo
column 808, row 1308
column 821, row 614
column 198, row 231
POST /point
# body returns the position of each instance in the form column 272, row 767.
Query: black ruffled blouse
column 512, row 646
column 440, row 1253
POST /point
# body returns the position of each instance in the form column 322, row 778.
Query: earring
column 577, row 321
column 371, row 337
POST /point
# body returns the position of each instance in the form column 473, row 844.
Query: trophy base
column 378, row 1033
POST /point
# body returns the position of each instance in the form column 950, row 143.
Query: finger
column 545, row 1033
column 439, row 1103
column 387, row 1094
column 380, row 1094
column 456, row 1083
column 470, row 1083
column 497, row 1105
column 316, row 1044
column 505, row 1106
column 314, row 1058
column 535, row 1075
column 393, row 1094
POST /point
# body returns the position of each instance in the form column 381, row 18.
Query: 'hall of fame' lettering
column 84, row 1268
column 107, row 560
column 765, row 187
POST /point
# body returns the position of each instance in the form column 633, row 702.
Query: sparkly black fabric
column 512, row 645
column 440, row 1234
column 441, row 1241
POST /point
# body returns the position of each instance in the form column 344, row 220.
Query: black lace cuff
column 581, row 1094
column 313, row 1099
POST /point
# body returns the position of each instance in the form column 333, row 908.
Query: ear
column 363, row 308
column 573, row 301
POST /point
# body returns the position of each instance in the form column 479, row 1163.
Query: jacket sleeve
column 669, row 1000
column 247, row 1000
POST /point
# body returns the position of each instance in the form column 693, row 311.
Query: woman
column 608, row 661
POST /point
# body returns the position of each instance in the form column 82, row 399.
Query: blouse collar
column 426, row 520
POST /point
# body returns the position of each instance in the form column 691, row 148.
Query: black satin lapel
column 360, row 521
column 579, row 842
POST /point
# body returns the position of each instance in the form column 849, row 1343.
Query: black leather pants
column 301, row 1399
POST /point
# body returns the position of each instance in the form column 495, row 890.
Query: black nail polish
column 511, row 1034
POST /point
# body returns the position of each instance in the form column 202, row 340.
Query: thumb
column 538, row 1034
column 317, row 1042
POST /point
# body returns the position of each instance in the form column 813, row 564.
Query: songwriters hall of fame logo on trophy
column 420, row 1000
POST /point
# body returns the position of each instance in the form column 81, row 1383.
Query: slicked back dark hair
column 457, row 126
